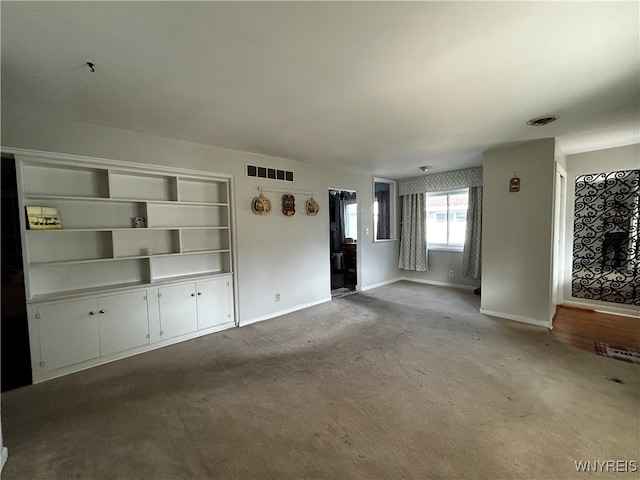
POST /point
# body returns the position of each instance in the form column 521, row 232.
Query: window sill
column 445, row 248
column 382, row 240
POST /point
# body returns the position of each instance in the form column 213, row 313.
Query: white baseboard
column 379, row 284
column 279, row 313
column 4, row 454
column 603, row 309
column 517, row 318
column 440, row 284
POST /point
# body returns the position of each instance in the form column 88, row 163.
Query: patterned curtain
column 472, row 253
column 439, row 182
column 413, row 243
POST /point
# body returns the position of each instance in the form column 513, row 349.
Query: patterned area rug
column 619, row 353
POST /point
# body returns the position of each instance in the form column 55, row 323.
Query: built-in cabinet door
column 178, row 314
column 123, row 322
column 68, row 333
column 213, row 302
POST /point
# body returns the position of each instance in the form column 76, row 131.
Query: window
column 351, row 220
column 384, row 209
column 447, row 219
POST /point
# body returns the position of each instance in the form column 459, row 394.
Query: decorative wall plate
column 261, row 205
column 288, row 205
column 312, row 207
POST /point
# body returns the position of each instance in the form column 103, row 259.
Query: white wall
column 440, row 262
column 517, row 232
column 275, row 253
column 599, row 161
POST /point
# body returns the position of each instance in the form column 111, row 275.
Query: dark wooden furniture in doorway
column 349, row 254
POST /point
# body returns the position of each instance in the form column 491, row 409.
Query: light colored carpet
column 342, row 292
column 403, row 381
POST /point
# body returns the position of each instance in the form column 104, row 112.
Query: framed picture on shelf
column 43, row 218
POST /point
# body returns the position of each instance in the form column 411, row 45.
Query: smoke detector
column 542, row 121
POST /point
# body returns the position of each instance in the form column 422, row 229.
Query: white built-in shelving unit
column 99, row 288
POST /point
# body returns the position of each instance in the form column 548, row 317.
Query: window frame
column 444, row 247
column 393, row 230
column 345, row 215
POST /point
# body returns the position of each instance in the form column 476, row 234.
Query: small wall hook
column 91, row 67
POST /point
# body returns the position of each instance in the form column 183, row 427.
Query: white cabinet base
column 72, row 335
column 60, row 372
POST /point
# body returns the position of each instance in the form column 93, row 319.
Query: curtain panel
column 413, row 242
column 472, row 253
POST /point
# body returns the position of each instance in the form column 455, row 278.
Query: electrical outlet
column 451, row 273
column 277, row 296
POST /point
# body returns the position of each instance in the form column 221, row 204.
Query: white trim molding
column 379, row 284
column 517, row 318
column 603, row 308
column 440, row 284
column 279, row 313
column 4, row 454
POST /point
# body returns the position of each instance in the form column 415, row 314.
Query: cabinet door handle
column 193, row 294
column 92, row 313
column 199, row 293
column 101, row 311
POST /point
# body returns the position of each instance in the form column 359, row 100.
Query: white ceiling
column 388, row 86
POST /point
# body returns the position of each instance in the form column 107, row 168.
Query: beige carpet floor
column 402, row 381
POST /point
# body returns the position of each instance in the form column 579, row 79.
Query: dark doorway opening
column 343, row 224
column 15, row 355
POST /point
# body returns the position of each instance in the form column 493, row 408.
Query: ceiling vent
column 541, row 121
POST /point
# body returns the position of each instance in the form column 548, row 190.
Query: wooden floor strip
column 582, row 328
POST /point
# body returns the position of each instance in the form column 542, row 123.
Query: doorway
column 558, row 238
column 15, row 353
column 343, row 244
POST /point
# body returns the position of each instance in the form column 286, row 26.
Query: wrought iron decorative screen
column 605, row 238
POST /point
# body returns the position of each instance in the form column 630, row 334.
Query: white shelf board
column 79, row 293
column 176, row 202
column 77, row 230
column 121, row 229
column 79, row 199
column 130, row 257
column 123, row 287
column 195, row 252
column 74, row 262
column 120, row 200
column 195, row 228
column 194, row 277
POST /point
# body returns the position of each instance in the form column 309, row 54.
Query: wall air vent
column 541, row 121
column 272, row 173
